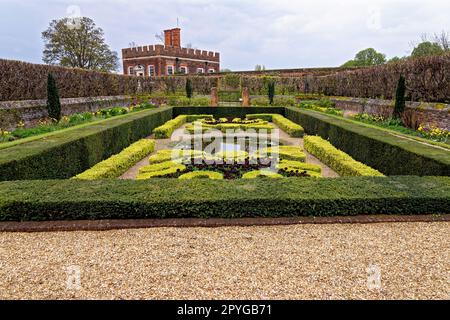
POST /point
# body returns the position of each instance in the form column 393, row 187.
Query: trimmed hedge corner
column 205, row 198
column 65, row 154
column 337, row 160
column 118, row 164
column 166, row 130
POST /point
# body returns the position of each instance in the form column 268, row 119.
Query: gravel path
column 291, row 262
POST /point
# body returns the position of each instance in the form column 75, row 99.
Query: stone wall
column 31, row 111
column 425, row 113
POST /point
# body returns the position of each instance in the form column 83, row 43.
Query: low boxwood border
column 226, row 112
column 172, row 198
column 375, row 147
column 66, row 154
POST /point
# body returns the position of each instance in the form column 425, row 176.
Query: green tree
column 189, row 89
column 427, row 48
column 53, row 102
column 396, row 59
column 271, row 91
column 400, row 101
column 260, row 68
column 78, row 43
column 367, row 57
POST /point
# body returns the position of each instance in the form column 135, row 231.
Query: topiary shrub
column 271, row 91
column 53, row 102
column 189, row 89
column 400, row 102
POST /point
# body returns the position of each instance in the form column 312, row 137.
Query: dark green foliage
column 366, row 58
column 66, row 154
column 189, row 89
column 172, row 198
column 225, row 112
column 271, row 91
column 400, row 101
column 374, row 147
column 53, row 102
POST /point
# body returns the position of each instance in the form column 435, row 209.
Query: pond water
column 225, row 147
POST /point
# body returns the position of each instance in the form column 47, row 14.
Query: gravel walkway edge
column 105, row 225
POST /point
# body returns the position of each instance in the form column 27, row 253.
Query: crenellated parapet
column 168, row 51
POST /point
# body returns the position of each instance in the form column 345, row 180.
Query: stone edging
column 105, row 225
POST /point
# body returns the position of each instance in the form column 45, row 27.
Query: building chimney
column 172, row 38
column 168, row 38
column 176, row 37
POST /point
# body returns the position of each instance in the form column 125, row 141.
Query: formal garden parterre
column 76, row 174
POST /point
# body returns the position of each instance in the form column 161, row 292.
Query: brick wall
column 426, row 113
column 31, row 111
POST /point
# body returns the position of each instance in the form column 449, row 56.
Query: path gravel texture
column 341, row 261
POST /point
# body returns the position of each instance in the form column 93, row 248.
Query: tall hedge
column 26, row 81
column 427, row 80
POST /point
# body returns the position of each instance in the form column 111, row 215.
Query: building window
column 183, row 70
column 170, row 70
column 211, row 71
column 151, row 71
column 200, row 70
column 131, row 71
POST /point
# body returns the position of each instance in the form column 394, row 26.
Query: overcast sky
column 274, row 33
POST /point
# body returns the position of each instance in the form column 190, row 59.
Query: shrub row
column 427, row 80
column 337, row 160
column 165, row 131
column 67, row 153
column 292, row 128
column 375, row 147
column 118, row 164
column 173, row 198
column 26, row 81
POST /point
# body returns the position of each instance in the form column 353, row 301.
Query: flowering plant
column 433, row 132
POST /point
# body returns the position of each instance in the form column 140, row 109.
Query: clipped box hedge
column 291, row 128
column 65, row 154
column 118, row 164
column 166, row 130
column 375, row 147
column 226, row 112
column 205, row 198
column 337, row 160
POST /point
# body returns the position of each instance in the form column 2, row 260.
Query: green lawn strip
column 172, row 198
column 6, row 145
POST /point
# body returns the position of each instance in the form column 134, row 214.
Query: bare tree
column 443, row 39
column 160, row 37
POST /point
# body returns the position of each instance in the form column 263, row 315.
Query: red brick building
column 169, row 59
